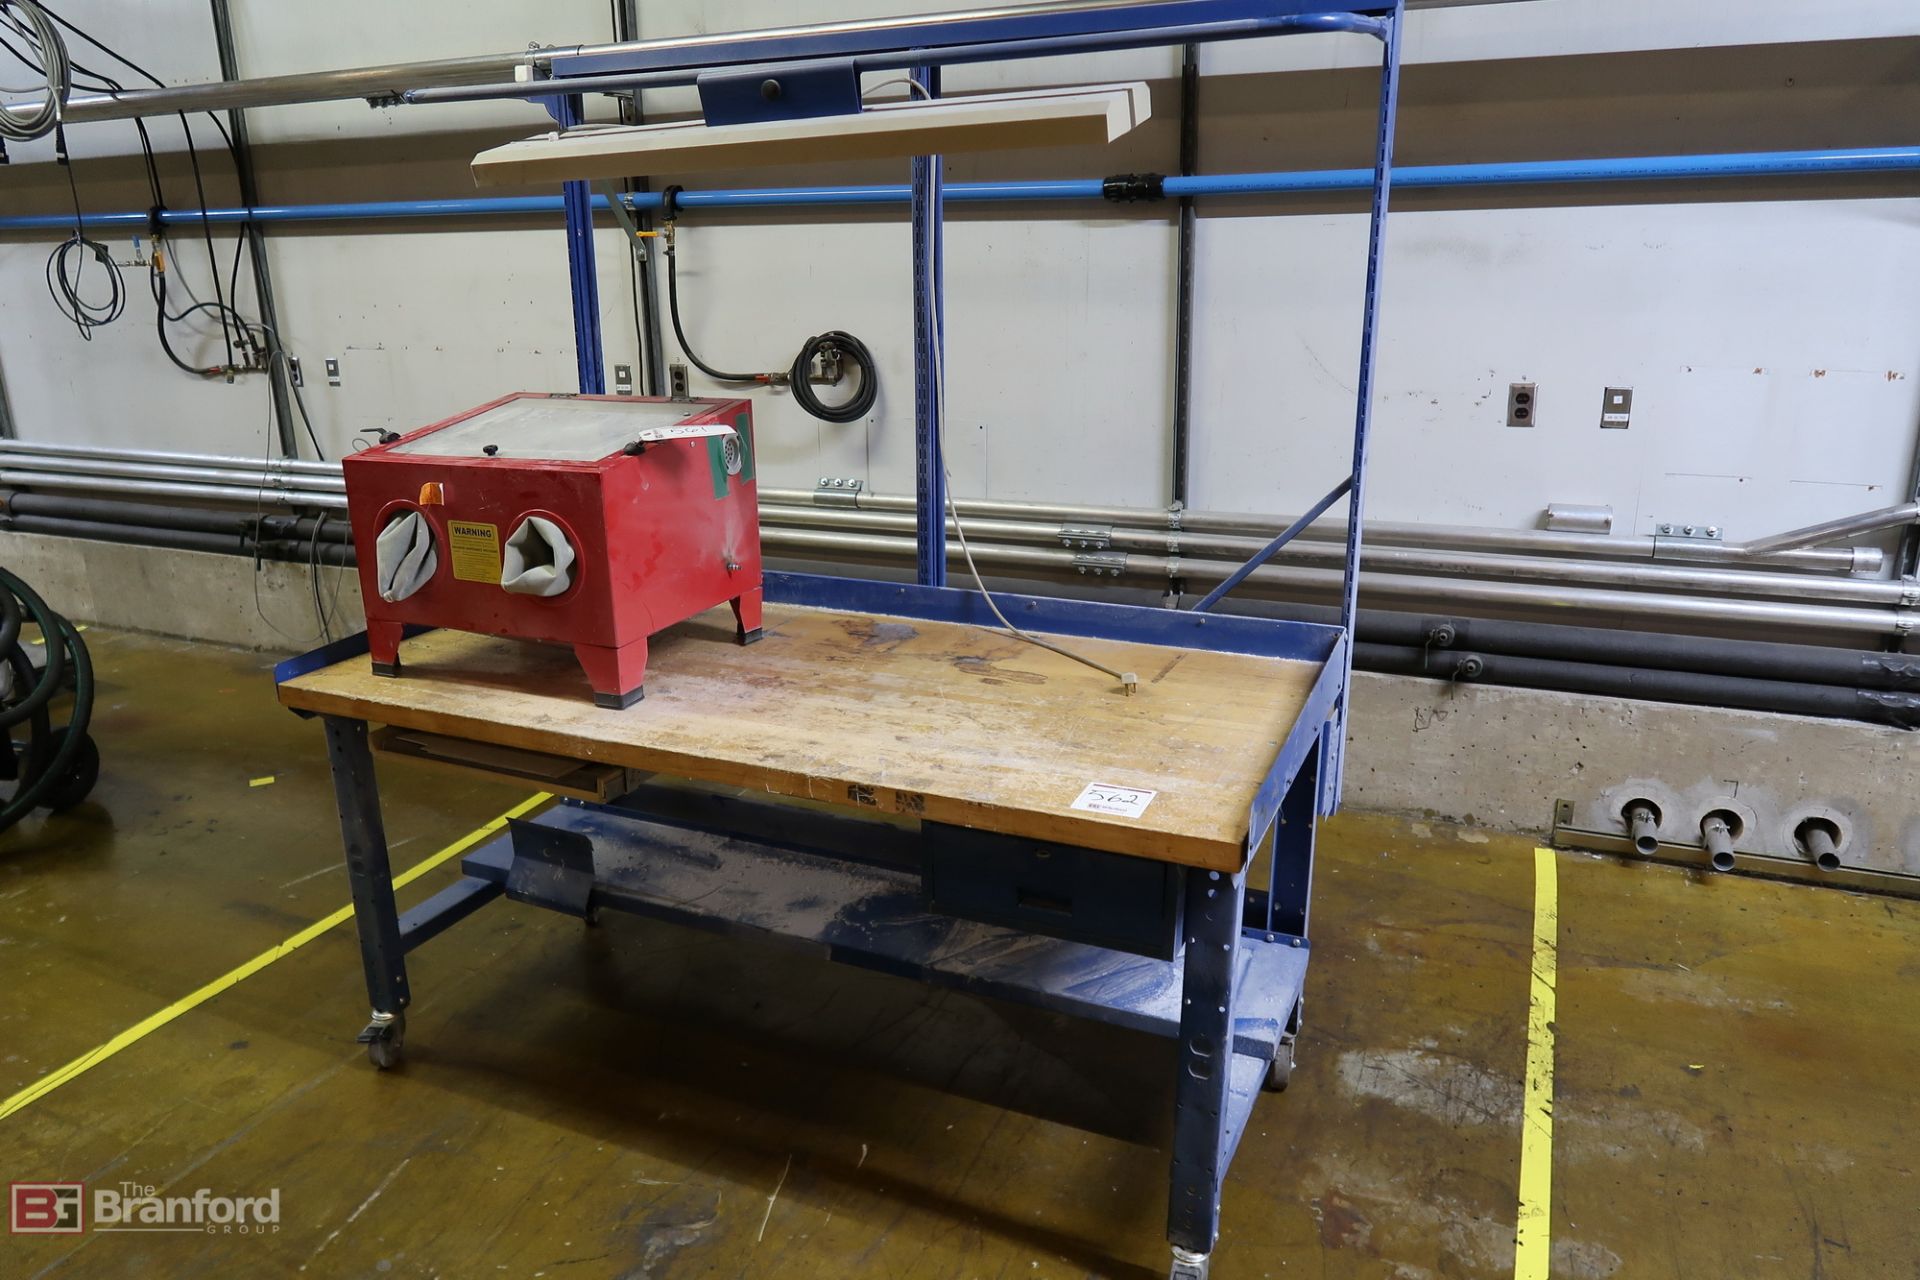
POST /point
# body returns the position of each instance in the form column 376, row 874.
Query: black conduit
column 1878, row 706
column 1183, row 304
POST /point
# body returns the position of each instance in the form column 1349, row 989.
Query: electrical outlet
column 1523, row 404
column 1616, row 408
column 677, row 385
column 623, row 379
column 333, row 371
column 294, row 375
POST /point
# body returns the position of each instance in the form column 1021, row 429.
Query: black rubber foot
column 620, row 701
column 386, row 668
column 750, row 637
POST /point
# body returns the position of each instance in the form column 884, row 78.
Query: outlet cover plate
column 1523, row 404
column 1616, row 408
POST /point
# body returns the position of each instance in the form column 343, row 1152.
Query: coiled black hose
column 849, row 349
column 834, row 343
column 53, row 768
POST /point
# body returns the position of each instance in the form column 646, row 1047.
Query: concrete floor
column 1735, row 1094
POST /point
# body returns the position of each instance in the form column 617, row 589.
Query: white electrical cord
column 29, row 20
column 937, row 328
column 908, row 81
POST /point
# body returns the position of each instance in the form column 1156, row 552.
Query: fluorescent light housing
column 1069, row 117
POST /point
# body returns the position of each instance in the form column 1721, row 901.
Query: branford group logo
column 60, row 1208
column 47, row 1208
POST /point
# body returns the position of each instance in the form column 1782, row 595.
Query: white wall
column 1771, row 355
column 1773, row 346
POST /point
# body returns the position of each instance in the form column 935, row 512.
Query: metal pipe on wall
column 1643, row 822
column 265, row 478
column 222, row 461
column 1434, row 549
column 1382, row 587
column 1446, row 640
column 1879, row 687
column 263, row 495
column 1864, row 560
column 1184, row 546
column 1199, row 534
column 1614, row 607
column 1790, row 616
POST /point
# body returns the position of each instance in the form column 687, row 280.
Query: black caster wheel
column 592, row 919
column 81, row 774
column 1279, row 1071
column 386, row 1042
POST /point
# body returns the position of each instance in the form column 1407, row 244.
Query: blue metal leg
column 370, row 876
column 1290, row 877
column 1369, row 341
column 929, row 323
column 583, row 274
column 1201, row 1148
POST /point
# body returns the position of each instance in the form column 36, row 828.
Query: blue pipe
column 1740, row 164
column 1755, row 164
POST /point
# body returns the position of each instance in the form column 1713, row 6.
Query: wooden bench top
column 936, row 720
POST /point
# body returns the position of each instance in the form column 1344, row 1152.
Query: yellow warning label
column 476, row 551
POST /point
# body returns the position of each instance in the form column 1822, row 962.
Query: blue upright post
column 1363, row 413
column 929, row 326
column 583, row 275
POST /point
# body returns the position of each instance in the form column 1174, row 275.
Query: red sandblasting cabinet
column 590, row 521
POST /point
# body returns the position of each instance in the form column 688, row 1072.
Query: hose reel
column 52, row 768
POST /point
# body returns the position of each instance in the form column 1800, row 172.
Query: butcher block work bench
column 892, row 778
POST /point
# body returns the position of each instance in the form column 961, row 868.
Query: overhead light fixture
column 1067, row 117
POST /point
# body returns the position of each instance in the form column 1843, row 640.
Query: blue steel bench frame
column 1243, row 950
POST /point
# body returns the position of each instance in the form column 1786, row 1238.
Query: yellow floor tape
column 147, row 1026
column 1533, row 1233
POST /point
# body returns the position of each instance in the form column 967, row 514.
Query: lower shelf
column 872, row 916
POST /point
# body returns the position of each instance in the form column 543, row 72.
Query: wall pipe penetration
column 1820, row 840
column 1717, row 831
column 1643, row 824
column 1677, row 168
column 1876, row 687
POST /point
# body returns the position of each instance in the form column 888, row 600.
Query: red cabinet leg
column 383, row 646
column 746, row 613
column 617, row 675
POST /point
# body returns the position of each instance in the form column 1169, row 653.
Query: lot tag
column 1121, row 802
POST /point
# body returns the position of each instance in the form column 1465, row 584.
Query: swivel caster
column 82, row 772
column 1280, row 1070
column 1188, row 1265
column 385, row 1038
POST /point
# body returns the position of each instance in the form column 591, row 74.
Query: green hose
column 43, row 774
